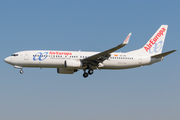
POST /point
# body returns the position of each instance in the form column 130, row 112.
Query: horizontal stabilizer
column 163, row 54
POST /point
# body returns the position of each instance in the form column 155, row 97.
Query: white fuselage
column 68, row 62
column 56, row 59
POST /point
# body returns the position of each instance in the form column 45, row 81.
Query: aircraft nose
column 7, row 60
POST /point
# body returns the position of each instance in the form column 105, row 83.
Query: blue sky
column 146, row 93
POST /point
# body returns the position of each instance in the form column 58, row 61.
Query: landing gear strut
column 90, row 72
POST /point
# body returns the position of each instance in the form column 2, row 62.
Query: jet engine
column 66, row 71
column 72, row 64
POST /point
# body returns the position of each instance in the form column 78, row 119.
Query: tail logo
column 153, row 41
column 157, row 47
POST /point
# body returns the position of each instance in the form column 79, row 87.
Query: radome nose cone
column 5, row 60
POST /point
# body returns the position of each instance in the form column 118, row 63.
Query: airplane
column 68, row 62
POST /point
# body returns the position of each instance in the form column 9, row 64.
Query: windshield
column 14, row 55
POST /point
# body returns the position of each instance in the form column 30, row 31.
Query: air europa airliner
column 68, row 62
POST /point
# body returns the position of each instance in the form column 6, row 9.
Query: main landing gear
column 90, row 72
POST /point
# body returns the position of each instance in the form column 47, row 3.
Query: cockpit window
column 14, row 55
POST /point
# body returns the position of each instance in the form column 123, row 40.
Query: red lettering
column 159, row 35
column 126, row 39
column 161, row 32
column 163, row 29
column 59, row 53
column 149, row 45
column 153, row 41
column 50, row 52
column 146, row 48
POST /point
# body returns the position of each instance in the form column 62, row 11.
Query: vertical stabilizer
column 155, row 44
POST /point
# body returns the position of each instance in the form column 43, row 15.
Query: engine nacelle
column 72, row 64
column 66, row 71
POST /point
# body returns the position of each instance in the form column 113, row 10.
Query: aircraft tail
column 155, row 44
column 163, row 54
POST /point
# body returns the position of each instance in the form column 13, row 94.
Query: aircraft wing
column 100, row 57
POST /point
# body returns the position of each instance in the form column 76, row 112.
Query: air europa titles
column 59, row 53
column 153, row 41
column 42, row 56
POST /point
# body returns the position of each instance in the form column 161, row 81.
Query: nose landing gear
column 21, row 71
column 19, row 67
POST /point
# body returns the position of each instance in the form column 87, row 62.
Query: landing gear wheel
column 21, row 71
column 85, row 75
column 91, row 71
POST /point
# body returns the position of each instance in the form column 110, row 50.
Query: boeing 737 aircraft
column 68, row 62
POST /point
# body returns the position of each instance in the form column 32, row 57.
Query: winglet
column 127, row 39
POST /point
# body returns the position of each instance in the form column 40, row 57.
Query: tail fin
column 155, row 45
